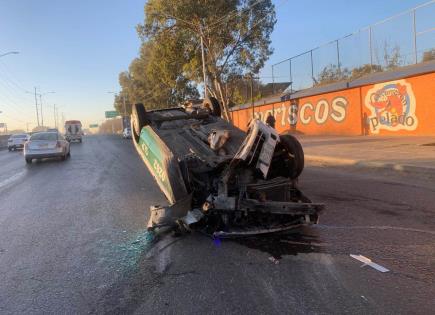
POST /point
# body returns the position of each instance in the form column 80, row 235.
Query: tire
column 9, row 149
column 138, row 118
column 288, row 159
column 63, row 157
column 294, row 147
column 69, row 154
column 214, row 106
column 80, row 140
column 28, row 161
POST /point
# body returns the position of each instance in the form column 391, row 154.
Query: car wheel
column 69, row 154
column 213, row 104
column 9, row 149
column 28, row 161
column 288, row 159
column 80, row 140
column 296, row 154
column 138, row 118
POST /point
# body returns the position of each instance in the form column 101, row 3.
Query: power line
column 234, row 13
column 6, row 72
column 7, row 94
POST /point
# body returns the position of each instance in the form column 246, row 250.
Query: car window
column 47, row 136
column 19, row 136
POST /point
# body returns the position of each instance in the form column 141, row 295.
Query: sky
column 77, row 48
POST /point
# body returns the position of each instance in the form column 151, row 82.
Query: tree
column 429, row 55
column 392, row 58
column 235, row 33
column 153, row 83
column 364, row 70
column 331, row 74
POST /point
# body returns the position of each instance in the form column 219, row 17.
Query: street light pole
column 36, row 106
column 40, row 101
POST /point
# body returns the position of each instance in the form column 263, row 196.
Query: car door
column 65, row 143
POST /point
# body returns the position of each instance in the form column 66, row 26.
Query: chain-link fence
column 404, row 39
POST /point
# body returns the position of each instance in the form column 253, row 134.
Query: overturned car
column 216, row 177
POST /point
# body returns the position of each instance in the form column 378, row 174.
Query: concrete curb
column 396, row 167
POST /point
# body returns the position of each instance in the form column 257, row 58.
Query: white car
column 17, row 141
column 46, row 145
column 126, row 134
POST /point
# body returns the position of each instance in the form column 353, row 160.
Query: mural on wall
column 392, row 107
column 317, row 113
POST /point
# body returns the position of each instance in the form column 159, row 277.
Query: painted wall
column 402, row 107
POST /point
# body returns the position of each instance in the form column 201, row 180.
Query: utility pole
column 57, row 117
column 36, row 105
column 63, row 120
column 203, row 66
column 42, row 116
column 54, row 115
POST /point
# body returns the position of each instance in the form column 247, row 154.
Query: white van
column 73, row 130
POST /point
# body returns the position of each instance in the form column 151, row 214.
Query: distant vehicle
column 46, row 145
column 73, row 130
column 52, row 130
column 126, row 133
column 17, row 141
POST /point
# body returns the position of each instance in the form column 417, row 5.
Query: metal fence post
column 370, row 48
column 312, row 67
column 338, row 58
column 414, row 30
column 273, row 82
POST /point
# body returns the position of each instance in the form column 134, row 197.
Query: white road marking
column 12, row 179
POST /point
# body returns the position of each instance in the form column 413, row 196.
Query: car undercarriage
column 219, row 179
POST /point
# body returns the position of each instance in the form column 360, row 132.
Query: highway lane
column 72, row 241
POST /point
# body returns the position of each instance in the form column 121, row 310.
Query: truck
column 73, row 130
column 217, row 178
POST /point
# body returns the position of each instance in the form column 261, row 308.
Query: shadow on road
column 294, row 242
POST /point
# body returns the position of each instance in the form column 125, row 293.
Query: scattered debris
column 274, row 260
column 368, row 262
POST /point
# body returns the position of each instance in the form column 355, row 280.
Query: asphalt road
column 73, row 240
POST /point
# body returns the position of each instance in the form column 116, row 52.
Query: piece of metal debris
column 193, row 216
column 368, row 262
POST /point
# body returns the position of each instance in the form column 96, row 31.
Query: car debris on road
column 216, row 177
column 369, row 262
